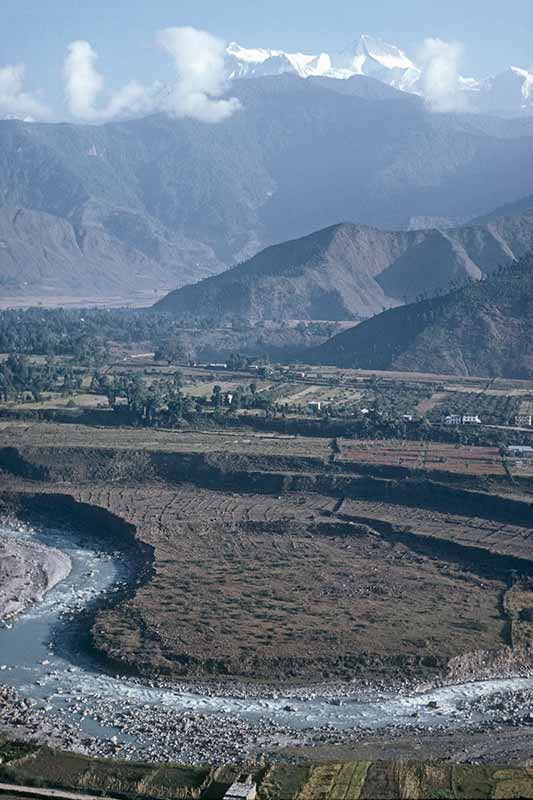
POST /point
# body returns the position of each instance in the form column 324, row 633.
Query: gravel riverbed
column 56, row 695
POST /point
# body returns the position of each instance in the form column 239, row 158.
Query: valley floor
column 133, row 299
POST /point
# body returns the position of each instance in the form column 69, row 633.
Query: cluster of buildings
column 462, row 419
column 520, row 421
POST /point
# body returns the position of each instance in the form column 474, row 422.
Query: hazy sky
column 37, row 32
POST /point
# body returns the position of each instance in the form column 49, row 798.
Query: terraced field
column 424, row 456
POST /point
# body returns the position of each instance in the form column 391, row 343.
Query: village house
column 453, row 419
column 244, row 788
column 471, row 419
column 523, row 420
column 314, row 406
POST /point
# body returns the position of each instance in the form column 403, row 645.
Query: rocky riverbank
column 22, row 719
column 159, row 733
column 27, row 572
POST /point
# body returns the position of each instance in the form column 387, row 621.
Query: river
column 39, row 658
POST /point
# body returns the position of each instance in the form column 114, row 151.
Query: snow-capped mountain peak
column 369, row 56
column 526, row 80
column 254, row 62
column 383, row 61
column 387, row 55
column 509, row 93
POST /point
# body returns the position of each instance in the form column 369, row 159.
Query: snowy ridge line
column 509, row 92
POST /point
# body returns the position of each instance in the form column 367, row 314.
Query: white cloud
column 199, row 60
column 441, row 74
column 14, row 100
column 84, row 84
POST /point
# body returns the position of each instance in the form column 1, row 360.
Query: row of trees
column 20, row 377
column 139, row 403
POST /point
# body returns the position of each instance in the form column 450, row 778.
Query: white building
column 244, row 788
column 314, row 405
column 453, row 419
column 523, row 420
column 466, row 419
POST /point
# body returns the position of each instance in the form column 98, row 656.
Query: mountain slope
column 483, row 329
column 44, row 255
column 350, row 272
column 510, row 92
column 521, row 207
column 300, row 155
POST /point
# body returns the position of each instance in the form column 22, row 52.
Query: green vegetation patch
column 357, row 780
column 13, row 751
column 48, row 768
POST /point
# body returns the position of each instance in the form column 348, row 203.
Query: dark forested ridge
column 156, row 203
column 349, row 272
column 485, row 328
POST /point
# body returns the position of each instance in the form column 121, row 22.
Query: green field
column 45, row 768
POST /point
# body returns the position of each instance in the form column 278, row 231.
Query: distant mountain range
column 483, row 329
column 155, row 203
column 370, row 57
column 509, row 93
column 350, row 272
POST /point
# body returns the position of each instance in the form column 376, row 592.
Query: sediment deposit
column 27, row 572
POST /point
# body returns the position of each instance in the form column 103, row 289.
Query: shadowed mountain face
column 43, row 253
column 351, row 272
column 482, row 329
column 172, row 201
column 521, row 207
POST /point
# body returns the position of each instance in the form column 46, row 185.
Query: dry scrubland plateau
column 269, row 560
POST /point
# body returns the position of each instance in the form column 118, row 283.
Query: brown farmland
column 428, row 456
